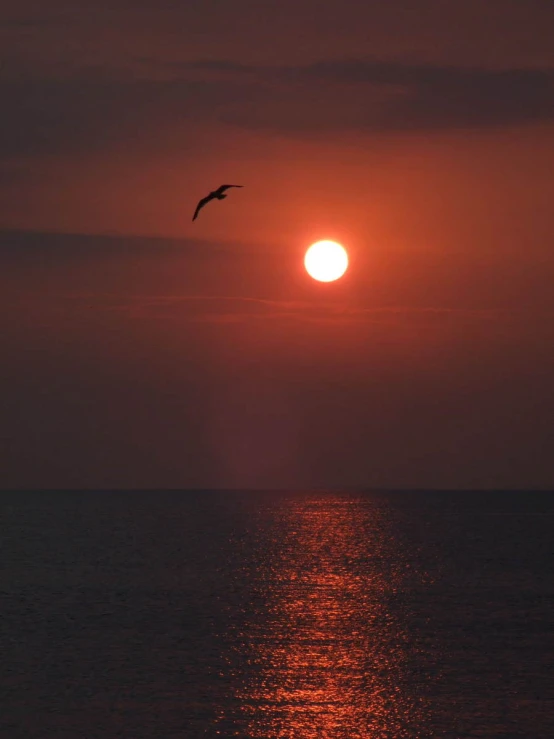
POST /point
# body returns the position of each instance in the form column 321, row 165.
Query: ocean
column 287, row 614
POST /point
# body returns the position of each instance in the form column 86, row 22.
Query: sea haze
column 261, row 615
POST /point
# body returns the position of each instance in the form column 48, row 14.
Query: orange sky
column 203, row 355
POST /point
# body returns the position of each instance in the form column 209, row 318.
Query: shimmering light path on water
column 329, row 658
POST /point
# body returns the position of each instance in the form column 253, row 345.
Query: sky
column 141, row 350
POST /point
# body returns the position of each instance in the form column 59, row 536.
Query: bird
column 214, row 195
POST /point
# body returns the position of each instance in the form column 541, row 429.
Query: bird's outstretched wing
column 201, row 204
column 222, row 188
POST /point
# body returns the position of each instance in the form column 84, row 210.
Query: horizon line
column 321, row 490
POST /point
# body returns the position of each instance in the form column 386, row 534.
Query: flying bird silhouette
column 214, row 195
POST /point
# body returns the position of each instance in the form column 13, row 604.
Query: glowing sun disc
column 326, row 261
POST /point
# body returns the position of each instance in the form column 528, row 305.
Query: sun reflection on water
column 327, row 660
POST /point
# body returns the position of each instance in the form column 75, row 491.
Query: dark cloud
column 445, row 97
column 94, row 108
column 385, row 96
column 57, row 116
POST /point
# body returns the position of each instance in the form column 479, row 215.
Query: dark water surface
column 277, row 615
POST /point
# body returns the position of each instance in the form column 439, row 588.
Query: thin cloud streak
column 231, row 309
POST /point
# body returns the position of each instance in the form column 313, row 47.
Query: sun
column 326, row 261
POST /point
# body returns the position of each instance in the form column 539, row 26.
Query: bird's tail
column 221, row 196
